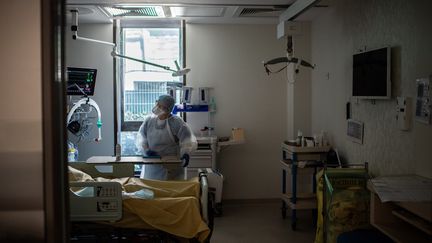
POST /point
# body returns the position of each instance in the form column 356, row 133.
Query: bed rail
column 204, row 196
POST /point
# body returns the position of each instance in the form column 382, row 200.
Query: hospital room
column 224, row 121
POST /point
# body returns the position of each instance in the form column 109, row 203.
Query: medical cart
column 305, row 159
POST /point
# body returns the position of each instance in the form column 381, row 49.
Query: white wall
column 21, row 199
column 228, row 58
column 93, row 55
column 339, row 32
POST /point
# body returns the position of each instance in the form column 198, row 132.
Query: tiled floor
column 259, row 223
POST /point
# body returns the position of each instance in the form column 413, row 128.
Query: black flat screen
column 370, row 74
column 81, row 80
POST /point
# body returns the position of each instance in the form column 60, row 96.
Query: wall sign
column 423, row 102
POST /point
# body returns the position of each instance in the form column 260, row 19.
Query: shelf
column 307, row 195
column 402, row 232
column 387, row 218
column 191, row 108
column 206, row 139
column 309, row 164
column 304, row 201
column 421, row 209
column 298, row 149
column 414, row 221
column 307, row 170
column 231, row 142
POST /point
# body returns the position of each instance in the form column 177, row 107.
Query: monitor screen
column 81, row 81
column 371, row 74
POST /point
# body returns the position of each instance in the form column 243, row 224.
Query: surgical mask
column 157, row 111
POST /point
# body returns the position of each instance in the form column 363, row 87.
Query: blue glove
column 185, row 160
column 151, row 153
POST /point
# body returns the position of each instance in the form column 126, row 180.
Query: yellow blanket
column 175, row 208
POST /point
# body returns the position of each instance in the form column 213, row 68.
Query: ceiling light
column 135, row 11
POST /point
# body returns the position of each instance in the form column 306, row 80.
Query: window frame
column 133, row 126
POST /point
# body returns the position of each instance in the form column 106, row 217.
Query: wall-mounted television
column 81, row 81
column 371, row 74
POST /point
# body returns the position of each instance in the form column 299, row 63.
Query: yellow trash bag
column 346, row 202
column 319, row 236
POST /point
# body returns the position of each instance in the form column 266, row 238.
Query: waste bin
column 343, row 202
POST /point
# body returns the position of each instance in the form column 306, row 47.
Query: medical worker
column 165, row 135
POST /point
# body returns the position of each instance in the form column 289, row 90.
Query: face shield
column 159, row 109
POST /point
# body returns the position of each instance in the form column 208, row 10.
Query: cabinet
column 403, row 222
column 204, row 156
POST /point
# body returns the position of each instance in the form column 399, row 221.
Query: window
column 142, row 84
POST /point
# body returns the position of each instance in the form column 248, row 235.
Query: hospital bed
column 103, row 212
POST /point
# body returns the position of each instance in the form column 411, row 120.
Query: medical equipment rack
column 291, row 157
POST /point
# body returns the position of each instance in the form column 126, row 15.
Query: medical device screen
column 81, row 81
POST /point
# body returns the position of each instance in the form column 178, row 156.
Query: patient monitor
column 81, row 81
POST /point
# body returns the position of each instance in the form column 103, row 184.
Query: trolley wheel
column 218, row 211
column 315, row 217
column 283, row 211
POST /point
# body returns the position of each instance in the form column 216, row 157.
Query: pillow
column 78, row 176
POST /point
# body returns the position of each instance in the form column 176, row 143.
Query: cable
column 268, row 70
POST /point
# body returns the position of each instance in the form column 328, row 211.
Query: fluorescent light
column 136, row 11
column 175, row 11
column 160, row 12
column 116, row 11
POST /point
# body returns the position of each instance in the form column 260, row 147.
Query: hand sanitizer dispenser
column 203, row 96
column 187, row 95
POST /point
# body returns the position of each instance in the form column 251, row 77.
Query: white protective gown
column 171, row 136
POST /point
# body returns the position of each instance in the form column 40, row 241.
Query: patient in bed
column 175, row 207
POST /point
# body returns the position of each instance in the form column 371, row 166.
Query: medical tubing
column 99, row 122
column 95, row 105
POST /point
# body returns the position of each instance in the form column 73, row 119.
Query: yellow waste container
column 343, row 202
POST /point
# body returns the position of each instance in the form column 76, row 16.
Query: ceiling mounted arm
column 287, row 60
column 175, row 73
column 74, row 28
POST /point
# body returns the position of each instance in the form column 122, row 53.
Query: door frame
column 56, row 200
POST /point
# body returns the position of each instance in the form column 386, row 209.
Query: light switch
column 403, row 113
